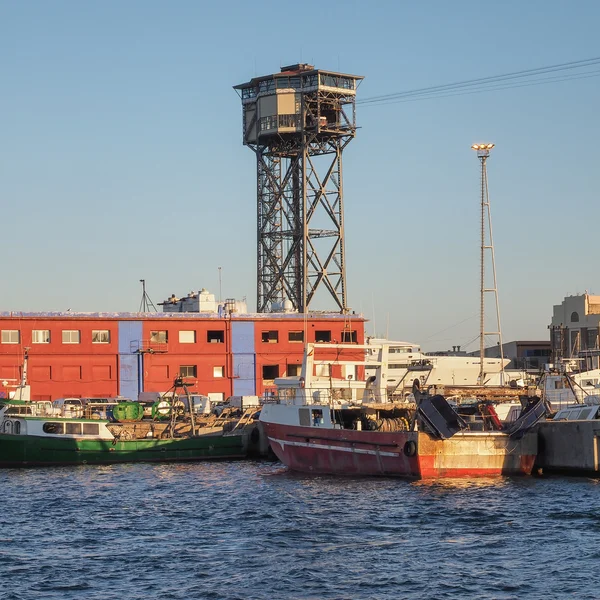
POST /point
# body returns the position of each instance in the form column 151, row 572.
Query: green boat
column 38, row 434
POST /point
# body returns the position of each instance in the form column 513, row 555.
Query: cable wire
column 482, row 84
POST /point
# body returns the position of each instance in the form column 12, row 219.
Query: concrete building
column 530, row 355
column 574, row 329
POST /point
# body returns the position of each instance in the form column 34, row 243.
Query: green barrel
column 126, row 412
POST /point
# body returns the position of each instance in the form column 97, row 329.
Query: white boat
column 406, row 362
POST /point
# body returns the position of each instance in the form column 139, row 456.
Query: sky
column 121, row 155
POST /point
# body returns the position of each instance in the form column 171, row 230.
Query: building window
column 296, row 336
column 218, row 371
column 574, row 317
column 159, row 337
column 11, row 336
column 215, row 337
column 270, row 371
column 293, row 370
column 349, row 337
column 323, row 336
column 100, row 336
column 40, row 336
column 187, row 337
column 188, row 371
column 270, row 337
column 71, row 336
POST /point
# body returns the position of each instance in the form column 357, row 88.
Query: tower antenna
column 146, row 305
column 487, row 243
column 298, row 123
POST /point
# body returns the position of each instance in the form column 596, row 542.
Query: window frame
column 270, row 336
column 215, row 336
column 300, row 341
column 194, row 371
column 35, row 335
column 6, row 339
column 270, row 367
column 70, row 331
column 322, row 331
column 156, row 336
column 96, row 332
column 187, row 331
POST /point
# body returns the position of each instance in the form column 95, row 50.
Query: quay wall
column 570, row 447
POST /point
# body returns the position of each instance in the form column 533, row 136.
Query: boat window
column 54, row 428
column 17, row 427
column 304, row 416
column 317, row 417
column 73, row 428
column 574, row 317
column 91, row 429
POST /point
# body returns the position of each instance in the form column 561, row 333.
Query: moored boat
column 313, row 431
column 37, row 434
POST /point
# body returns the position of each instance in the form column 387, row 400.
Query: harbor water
column 252, row 530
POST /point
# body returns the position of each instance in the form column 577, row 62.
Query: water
column 251, row 530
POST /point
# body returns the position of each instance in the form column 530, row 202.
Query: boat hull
column 30, row 451
column 414, row 455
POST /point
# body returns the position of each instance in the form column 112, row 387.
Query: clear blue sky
column 121, row 154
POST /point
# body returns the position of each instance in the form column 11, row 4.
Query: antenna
column 483, row 153
column 146, row 304
column 220, row 292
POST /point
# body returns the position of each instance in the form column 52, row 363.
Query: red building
column 122, row 354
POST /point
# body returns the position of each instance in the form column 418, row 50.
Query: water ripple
column 251, row 530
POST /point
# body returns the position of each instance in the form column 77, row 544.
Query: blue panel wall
column 244, row 371
column 130, row 336
column 129, row 331
column 242, row 337
column 244, row 360
column 128, row 376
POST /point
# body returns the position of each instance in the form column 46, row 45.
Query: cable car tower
column 487, row 243
column 298, row 123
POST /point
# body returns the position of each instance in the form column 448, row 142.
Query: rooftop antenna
column 487, row 243
column 220, row 294
column 146, row 305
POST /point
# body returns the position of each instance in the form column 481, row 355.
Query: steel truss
column 300, row 206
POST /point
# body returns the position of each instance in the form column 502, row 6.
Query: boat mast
column 483, row 153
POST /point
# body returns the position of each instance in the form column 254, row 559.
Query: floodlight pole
column 483, row 153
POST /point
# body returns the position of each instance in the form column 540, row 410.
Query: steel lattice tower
column 487, row 243
column 298, row 123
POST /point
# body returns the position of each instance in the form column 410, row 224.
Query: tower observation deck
column 298, row 123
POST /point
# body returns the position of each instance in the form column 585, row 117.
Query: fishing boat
column 43, row 433
column 321, row 424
